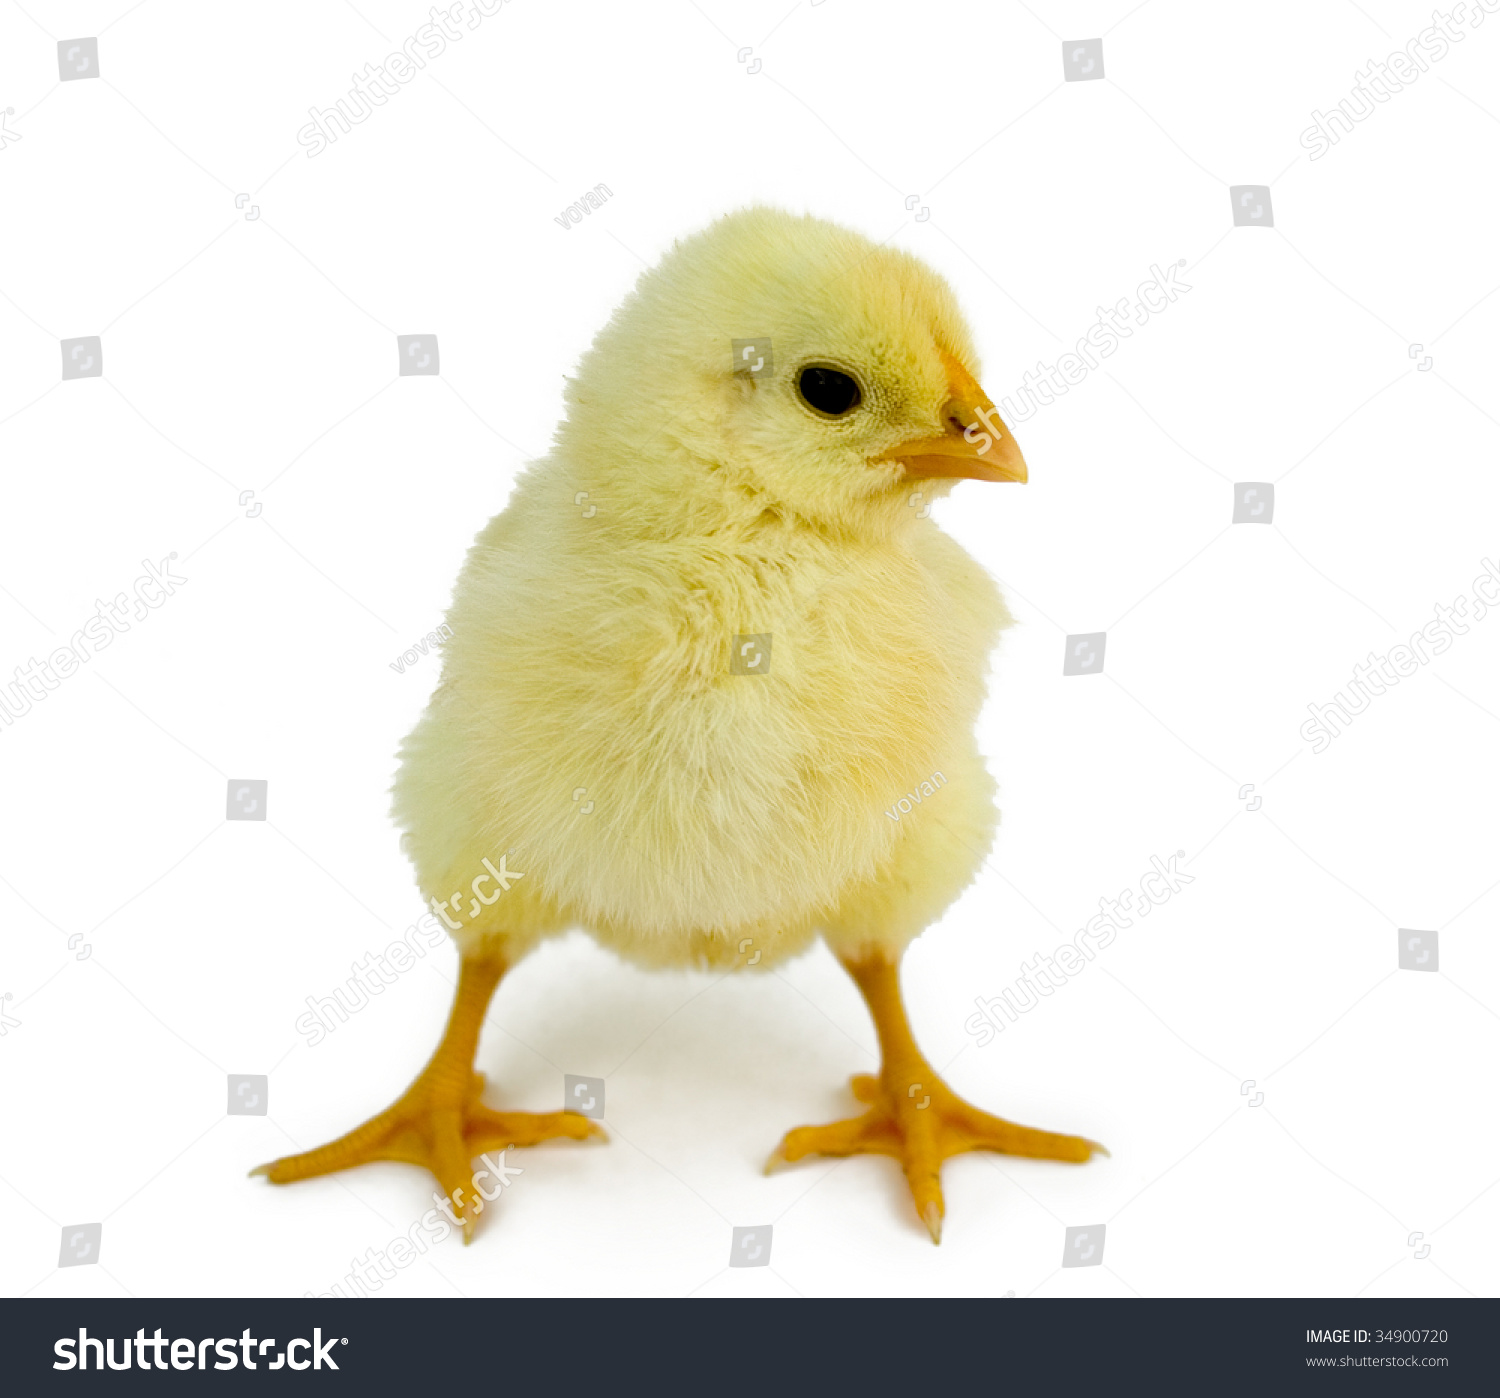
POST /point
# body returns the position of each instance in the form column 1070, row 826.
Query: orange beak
column 978, row 445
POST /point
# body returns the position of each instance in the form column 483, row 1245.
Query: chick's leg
column 913, row 1115
column 439, row 1121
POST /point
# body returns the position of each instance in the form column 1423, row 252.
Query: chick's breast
column 589, row 722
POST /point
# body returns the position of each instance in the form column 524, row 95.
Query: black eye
column 828, row 391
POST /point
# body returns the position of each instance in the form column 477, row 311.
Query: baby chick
column 709, row 641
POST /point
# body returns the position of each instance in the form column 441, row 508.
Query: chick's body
column 594, row 620
column 719, row 806
column 594, row 756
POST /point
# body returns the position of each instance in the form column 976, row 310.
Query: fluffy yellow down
column 588, row 730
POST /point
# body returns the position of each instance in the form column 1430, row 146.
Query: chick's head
column 866, row 393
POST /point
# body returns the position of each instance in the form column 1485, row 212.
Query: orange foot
column 921, row 1127
column 439, row 1121
column 914, row 1115
column 438, row 1129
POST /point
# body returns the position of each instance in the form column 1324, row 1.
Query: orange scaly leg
column 913, row 1115
column 438, row 1121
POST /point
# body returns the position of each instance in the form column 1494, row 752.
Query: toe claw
column 933, row 1218
column 776, row 1161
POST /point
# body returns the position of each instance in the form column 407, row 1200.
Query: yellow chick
column 710, row 642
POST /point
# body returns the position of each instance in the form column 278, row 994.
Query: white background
column 259, row 355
